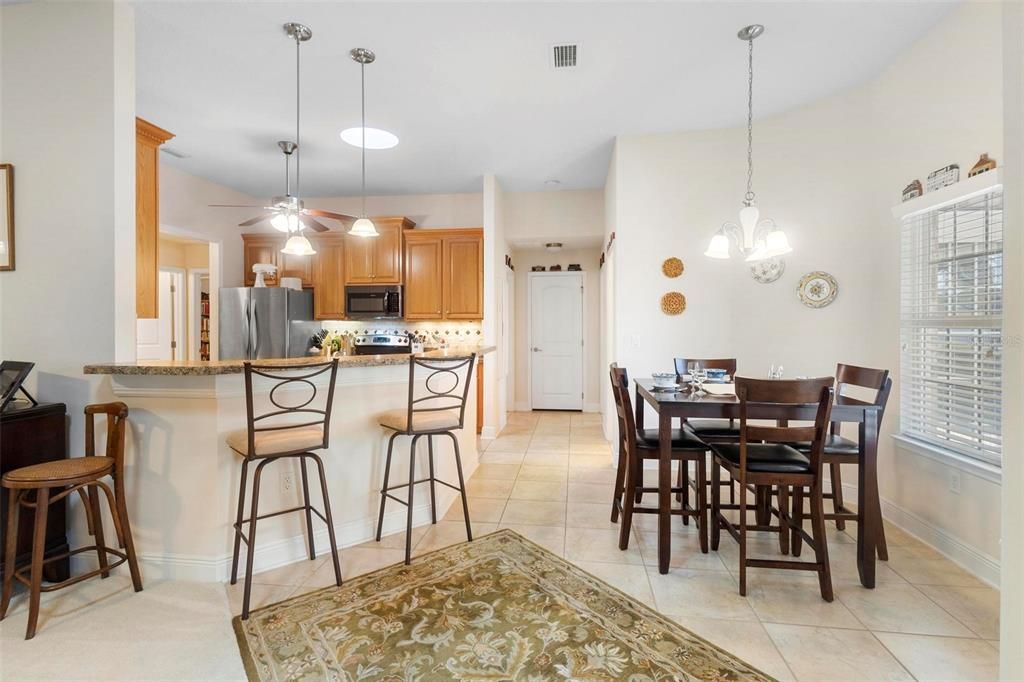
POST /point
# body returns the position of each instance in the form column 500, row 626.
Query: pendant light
column 756, row 239
column 288, row 220
column 363, row 227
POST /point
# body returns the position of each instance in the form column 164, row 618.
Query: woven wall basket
column 672, row 267
column 673, row 303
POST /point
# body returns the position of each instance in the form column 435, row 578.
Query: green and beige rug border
column 613, row 635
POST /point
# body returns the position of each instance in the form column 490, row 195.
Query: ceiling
column 469, row 89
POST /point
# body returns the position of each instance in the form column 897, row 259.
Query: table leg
column 763, row 505
column 664, row 490
column 867, row 499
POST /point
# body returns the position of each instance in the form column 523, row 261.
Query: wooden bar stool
column 274, row 435
column 435, row 408
column 51, row 483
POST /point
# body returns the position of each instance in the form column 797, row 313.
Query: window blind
column 951, row 317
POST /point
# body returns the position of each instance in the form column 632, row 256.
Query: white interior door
column 556, row 341
column 155, row 336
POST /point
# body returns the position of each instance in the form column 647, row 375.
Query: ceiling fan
column 288, row 213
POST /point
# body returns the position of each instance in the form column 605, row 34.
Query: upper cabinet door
column 260, row 248
column 297, row 266
column 424, row 273
column 464, row 277
column 329, row 278
column 359, row 260
column 387, row 253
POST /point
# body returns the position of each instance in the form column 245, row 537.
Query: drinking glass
column 699, row 377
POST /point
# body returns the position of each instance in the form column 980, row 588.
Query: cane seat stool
column 635, row 446
column 38, row 486
column 296, row 422
column 438, row 391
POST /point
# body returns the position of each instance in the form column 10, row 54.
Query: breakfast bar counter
column 182, row 478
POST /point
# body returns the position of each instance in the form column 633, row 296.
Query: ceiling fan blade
column 328, row 214
column 253, row 221
column 236, row 206
column 312, row 224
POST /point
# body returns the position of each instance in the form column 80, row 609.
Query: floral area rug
column 497, row 608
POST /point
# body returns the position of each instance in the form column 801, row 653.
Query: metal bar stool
column 278, row 438
column 438, row 408
column 65, row 477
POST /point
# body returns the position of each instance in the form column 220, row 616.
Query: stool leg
column 620, row 482
column 408, row 513
column 702, row 502
column 251, row 547
column 238, row 521
column 328, row 516
column 433, row 494
column 38, row 550
column 837, row 492
column 462, row 486
column 97, row 531
column 309, row 513
column 126, row 532
column 11, row 549
column 384, row 490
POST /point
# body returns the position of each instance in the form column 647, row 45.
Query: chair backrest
column 312, row 405
column 728, row 364
column 439, row 385
column 117, row 416
column 795, row 393
column 877, row 380
column 623, row 407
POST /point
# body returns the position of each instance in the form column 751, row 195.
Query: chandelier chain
column 749, row 197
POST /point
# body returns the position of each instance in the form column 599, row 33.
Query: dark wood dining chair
column 292, row 427
column 636, row 446
column 711, row 430
column 764, row 458
column 51, row 482
column 839, row 450
column 438, row 394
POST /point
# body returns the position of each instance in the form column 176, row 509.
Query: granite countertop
column 216, row 367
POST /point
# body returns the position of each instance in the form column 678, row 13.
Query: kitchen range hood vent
column 563, row 56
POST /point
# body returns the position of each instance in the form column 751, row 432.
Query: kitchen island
column 182, row 478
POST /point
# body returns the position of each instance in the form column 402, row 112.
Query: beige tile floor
column 548, row 476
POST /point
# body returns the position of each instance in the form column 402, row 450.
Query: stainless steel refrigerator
column 258, row 323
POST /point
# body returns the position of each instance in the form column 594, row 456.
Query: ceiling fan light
column 297, row 245
column 363, row 227
column 718, row 248
column 776, row 244
column 285, row 222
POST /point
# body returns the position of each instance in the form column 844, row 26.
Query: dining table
column 685, row 403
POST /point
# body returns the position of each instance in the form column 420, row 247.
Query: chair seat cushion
column 47, row 474
column 765, row 457
column 278, row 441
column 680, row 439
column 714, row 427
column 421, row 421
column 834, row 445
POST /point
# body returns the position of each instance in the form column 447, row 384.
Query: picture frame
column 6, row 216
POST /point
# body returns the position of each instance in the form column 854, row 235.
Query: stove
column 381, row 344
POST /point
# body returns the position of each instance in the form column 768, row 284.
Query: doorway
column 556, row 340
column 163, row 338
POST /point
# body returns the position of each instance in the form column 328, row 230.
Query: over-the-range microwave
column 373, row 302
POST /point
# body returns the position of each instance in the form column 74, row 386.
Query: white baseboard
column 592, row 407
column 971, row 559
column 522, row 407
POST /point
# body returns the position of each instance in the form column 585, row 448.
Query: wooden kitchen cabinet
column 424, row 273
column 377, row 260
column 444, row 274
column 463, row 277
column 297, row 266
column 261, row 248
column 328, row 267
column 148, row 139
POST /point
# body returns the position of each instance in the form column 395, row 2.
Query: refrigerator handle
column 256, row 330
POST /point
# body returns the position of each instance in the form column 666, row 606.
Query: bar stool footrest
column 122, row 557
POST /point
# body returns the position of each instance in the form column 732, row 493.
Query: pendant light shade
column 363, row 227
column 754, row 238
column 297, row 245
column 285, row 222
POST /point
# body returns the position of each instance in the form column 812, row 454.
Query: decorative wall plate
column 672, row 267
column 673, row 303
column 817, row 289
column 768, row 270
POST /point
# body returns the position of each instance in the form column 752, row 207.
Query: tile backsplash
column 454, row 332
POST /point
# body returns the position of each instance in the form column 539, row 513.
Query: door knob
column 535, row 349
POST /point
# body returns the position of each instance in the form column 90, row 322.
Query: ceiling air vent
column 171, row 151
column 563, row 56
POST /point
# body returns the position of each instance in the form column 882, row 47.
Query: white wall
column 68, row 128
column 828, row 174
column 575, row 217
column 588, row 259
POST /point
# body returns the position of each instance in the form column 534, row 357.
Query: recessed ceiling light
column 375, row 138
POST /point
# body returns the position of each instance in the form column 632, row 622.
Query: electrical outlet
column 954, row 482
column 287, row 480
